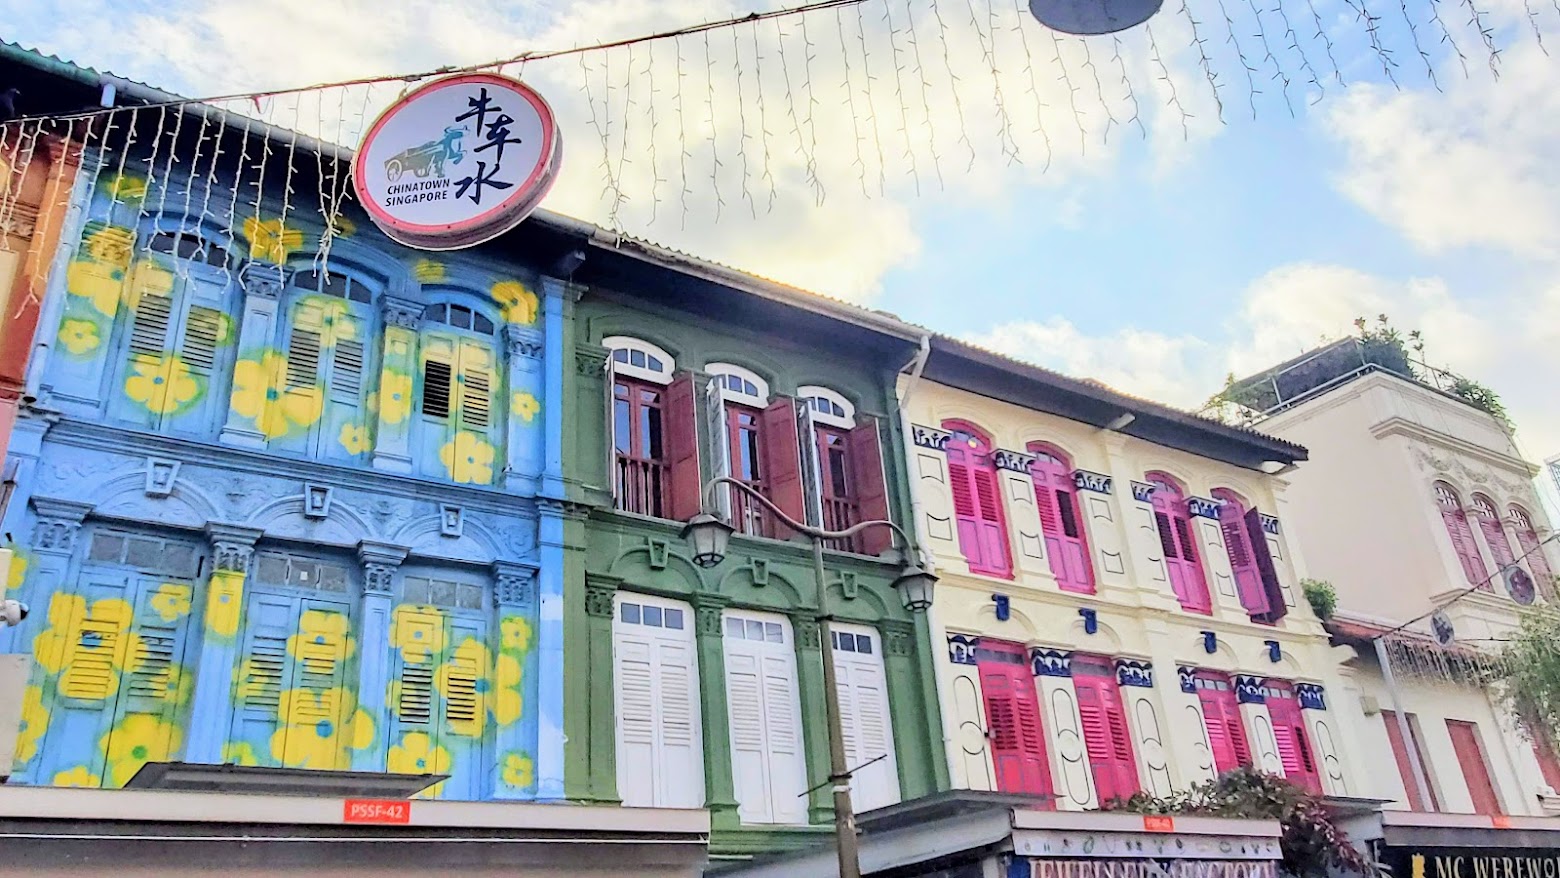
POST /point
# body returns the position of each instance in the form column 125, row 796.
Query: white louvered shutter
column 864, row 717
column 660, row 760
column 768, row 763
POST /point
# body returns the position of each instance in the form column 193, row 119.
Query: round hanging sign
column 457, row 161
column 1520, row 586
column 1441, row 629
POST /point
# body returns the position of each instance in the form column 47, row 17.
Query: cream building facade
column 1102, row 559
column 1414, row 498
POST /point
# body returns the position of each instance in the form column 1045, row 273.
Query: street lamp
column 707, row 537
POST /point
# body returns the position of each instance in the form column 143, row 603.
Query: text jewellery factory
column 414, row 528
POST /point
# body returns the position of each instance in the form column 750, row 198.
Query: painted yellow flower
column 314, row 734
column 516, row 633
column 336, row 322
column 18, row 572
column 50, row 646
column 147, row 278
column 77, row 777
column 108, row 245
column 353, row 438
column 464, row 682
column 79, row 336
column 138, row 739
column 507, row 703
column 79, row 630
column 35, row 720
column 97, row 283
column 224, row 603
column 417, row 633
column 525, row 406
column 239, row 753
column 127, row 188
column 468, row 459
column 519, row 303
column 416, row 754
column 171, row 600
column 321, row 634
column 162, row 384
column 258, row 395
column 519, row 771
column 270, row 240
column 429, row 272
column 395, row 396
column 342, row 227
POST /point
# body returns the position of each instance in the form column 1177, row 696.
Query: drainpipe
column 915, row 367
column 1409, row 742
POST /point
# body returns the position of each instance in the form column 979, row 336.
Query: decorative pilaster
column 380, row 563
column 600, row 700
column 514, row 674
column 58, row 524
column 527, row 394
column 397, row 378
column 232, row 548
column 815, row 699
column 262, row 285
column 720, row 788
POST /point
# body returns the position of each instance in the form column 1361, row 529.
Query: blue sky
column 1157, row 264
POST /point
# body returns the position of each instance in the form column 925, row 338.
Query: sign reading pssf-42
column 457, row 161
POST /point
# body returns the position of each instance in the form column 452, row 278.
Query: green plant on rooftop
column 1320, row 594
column 1312, row 845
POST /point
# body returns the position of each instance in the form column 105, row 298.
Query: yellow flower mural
column 239, row 753
column 79, row 776
column 171, row 601
column 525, row 406
column 313, row 733
column 224, row 602
column 18, row 572
column 147, row 278
column 79, row 336
column 353, row 438
column 258, row 395
column 506, row 702
column 417, row 634
column 516, row 633
column 270, row 240
column 163, row 384
column 416, row 754
column 322, row 633
column 518, row 770
column 342, row 227
column 468, row 459
column 138, row 739
column 35, row 720
column 464, row 679
column 428, row 272
column 395, row 396
column 79, row 629
column 517, row 302
column 97, row 283
column 127, row 188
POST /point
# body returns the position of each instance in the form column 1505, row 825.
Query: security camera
column 12, row 612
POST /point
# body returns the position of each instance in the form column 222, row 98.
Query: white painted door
column 864, row 718
column 768, row 766
column 660, row 760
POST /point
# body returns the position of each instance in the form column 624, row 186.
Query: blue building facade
column 288, row 495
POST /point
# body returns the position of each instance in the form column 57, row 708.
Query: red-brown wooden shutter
column 1547, row 763
column 1465, row 740
column 1400, row 755
column 680, row 431
column 1277, row 608
column 866, row 465
column 783, row 461
column 1013, row 729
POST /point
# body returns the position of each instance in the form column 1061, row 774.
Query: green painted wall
column 634, row 553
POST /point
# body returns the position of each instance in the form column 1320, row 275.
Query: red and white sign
column 457, row 161
column 393, row 811
column 1158, row 823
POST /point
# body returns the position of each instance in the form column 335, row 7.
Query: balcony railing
column 641, row 486
column 837, row 515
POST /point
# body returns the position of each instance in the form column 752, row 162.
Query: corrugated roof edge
column 677, row 261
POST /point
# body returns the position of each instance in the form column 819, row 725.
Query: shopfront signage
column 1473, row 862
column 1158, row 823
column 457, row 161
column 391, row 811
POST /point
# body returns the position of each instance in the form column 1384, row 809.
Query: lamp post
column 707, row 537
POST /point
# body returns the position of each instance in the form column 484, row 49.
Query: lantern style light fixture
column 1093, row 17
column 707, row 537
column 915, row 585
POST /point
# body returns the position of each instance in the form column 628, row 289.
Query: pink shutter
column 993, row 530
column 1534, row 555
column 1294, row 745
column 1196, row 582
column 1463, row 544
column 1248, row 579
column 1266, row 570
column 1171, row 555
column 1106, row 736
column 1065, row 541
column 1226, row 731
column 1013, row 728
column 1495, row 538
column 965, row 509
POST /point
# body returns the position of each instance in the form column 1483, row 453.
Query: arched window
column 977, row 501
column 740, row 385
column 757, row 445
column 1174, row 521
column 176, row 338
column 1494, row 531
column 848, row 468
column 1456, row 520
column 637, row 373
column 828, row 407
column 461, row 416
column 325, row 340
column 1527, row 541
column 1061, row 519
column 1256, row 578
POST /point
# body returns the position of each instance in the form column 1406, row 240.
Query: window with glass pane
column 746, row 438
column 641, row 462
column 840, row 509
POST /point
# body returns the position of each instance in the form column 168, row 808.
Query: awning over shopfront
column 1420, row 845
column 61, row 831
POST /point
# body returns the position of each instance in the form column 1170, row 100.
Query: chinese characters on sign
column 457, row 161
